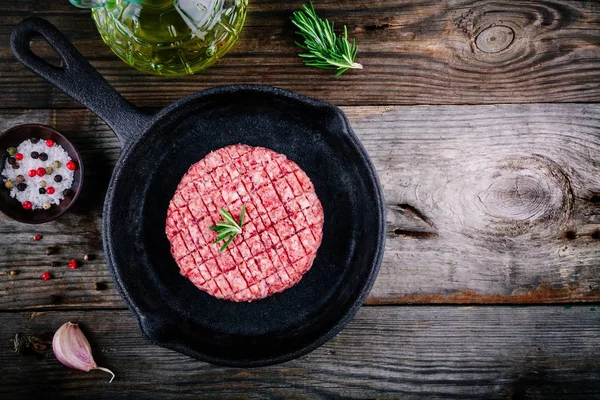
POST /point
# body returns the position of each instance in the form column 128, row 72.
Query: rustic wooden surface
column 386, row 352
column 486, row 204
column 490, row 201
column 414, row 52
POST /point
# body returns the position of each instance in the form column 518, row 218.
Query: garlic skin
column 72, row 349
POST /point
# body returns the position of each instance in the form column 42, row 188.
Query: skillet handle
column 77, row 78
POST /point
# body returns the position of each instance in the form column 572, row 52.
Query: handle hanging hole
column 41, row 48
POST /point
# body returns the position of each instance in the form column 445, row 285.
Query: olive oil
column 170, row 37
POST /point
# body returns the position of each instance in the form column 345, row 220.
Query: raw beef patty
column 282, row 229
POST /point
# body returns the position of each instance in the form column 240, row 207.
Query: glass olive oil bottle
column 168, row 37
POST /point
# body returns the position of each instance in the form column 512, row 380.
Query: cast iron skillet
column 157, row 151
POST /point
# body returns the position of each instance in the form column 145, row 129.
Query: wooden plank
column 486, row 204
column 414, row 52
column 385, row 352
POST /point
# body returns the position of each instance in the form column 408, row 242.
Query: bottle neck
column 153, row 3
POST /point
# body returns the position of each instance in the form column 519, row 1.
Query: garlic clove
column 72, row 349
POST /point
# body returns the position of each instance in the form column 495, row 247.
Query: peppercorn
column 49, row 142
column 27, row 205
column 9, row 184
column 21, row 186
column 19, row 156
column 46, row 276
column 66, row 192
column 71, row 165
column 40, row 171
column 51, row 250
column 35, row 155
column 14, row 273
column 43, row 184
column 46, row 205
column 16, row 165
column 49, row 170
column 34, row 140
column 42, row 191
column 11, row 160
column 55, row 299
column 50, row 190
column 37, row 237
column 57, row 164
column 43, row 156
column 32, row 173
column 100, row 286
column 58, row 178
column 73, row 264
column 20, row 178
column 12, row 151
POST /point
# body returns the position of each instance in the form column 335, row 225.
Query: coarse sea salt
column 32, row 191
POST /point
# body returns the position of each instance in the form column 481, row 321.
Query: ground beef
column 282, row 229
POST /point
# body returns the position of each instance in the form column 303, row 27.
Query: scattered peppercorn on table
column 482, row 120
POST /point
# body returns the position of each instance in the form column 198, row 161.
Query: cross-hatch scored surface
column 282, row 230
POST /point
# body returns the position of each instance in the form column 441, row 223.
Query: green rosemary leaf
column 227, row 216
column 242, row 215
column 229, row 228
column 323, row 48
column 225, row 233
column 227, row 243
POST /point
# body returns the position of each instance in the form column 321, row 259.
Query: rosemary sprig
column 229, row 228
column 323, row 48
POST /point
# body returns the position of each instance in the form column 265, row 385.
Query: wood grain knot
column 526, row 194
column 504, row 196
column 500, row 34
column 495, row 39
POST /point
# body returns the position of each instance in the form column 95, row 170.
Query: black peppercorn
column 43, row 156
column 58, row 178
column 11, row 160
column 35, row 155
column 34, row 140
column 55, row 299
column 42, row 191
column 21, row 186
column 66, row 192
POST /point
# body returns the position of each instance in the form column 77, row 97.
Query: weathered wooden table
column 480, row 118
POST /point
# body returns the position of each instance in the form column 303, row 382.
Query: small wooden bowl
column 12, row 207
